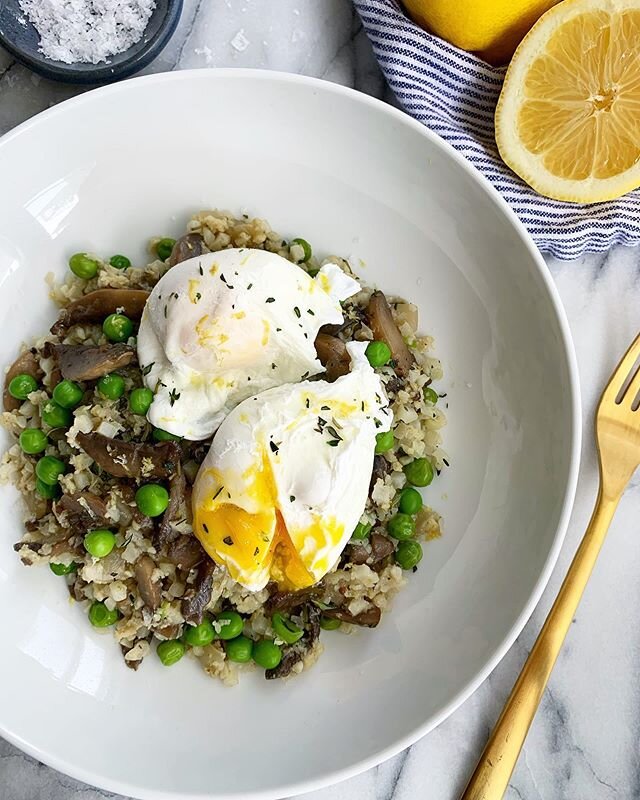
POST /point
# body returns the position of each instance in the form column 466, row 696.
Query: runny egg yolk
column 253, row 546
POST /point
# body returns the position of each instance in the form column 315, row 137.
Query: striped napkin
column 454, row 94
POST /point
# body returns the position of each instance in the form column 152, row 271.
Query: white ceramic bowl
column 106, row 170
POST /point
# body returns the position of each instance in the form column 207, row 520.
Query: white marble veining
column 584, row 742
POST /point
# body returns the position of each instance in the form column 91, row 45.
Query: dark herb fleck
column 256, row 551
column 274, row 447
column 309, row 311
column 304, row 375
column 146, row 370
column 249, row 286
column 306, row 403
column 270, row 300
column 228, row 540
column 325, row 408
column 296, row 311
column 198, row 296
column 273, row 366
column 200, row 270
column 292, row 498
column 204, row 528
column 218, row 492
column 333, row 442
column 173, row 397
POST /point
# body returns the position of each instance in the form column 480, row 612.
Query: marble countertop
column 583, row 744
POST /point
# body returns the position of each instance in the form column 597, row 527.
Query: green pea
column 68, row 394
column 55, row 416
column 430, row 395
column 362, row 530
column 384, row 442
column 46, row 491
column 306, row 247
column 409, row 554
column 419, row 472
column 22, row 385
column 266, row 654
column 401, row 526
column 100, row 616
column 239, row 649
column 152, row 499
column 117, row 328
column 63, row 569
column 33, row 440
column 164, row 436
column 329, row 623
column 140, row 401
column 234, row 624
column 120, row 262
column 378, row 353
column 111, row 386
column 49, row 469
column 164, row 248
column 200, row 635
column 99, row 543
column 170, row 652
column 286, row 630
column 83, row 266
column 410, row 501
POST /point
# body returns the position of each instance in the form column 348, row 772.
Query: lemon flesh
column 568, row 118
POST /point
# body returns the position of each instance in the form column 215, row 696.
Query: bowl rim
column 104, row 72
column 568, row 351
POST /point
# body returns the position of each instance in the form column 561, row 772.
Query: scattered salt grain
column 205, row 51
column 240, row 41
column 87, row 31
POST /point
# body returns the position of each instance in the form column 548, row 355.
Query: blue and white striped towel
column 454, row 94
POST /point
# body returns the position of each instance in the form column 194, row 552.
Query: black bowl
column 22, row 42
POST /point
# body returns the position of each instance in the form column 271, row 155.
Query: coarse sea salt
column 87, row 31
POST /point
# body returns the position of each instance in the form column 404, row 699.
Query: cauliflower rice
column 185, row 589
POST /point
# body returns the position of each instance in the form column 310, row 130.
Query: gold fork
column 618, row 439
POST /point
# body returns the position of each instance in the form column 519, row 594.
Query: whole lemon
column 492, row 29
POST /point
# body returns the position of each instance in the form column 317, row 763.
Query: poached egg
column 224, row 326
column 287, row 477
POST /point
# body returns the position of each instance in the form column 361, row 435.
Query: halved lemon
column 568, row 118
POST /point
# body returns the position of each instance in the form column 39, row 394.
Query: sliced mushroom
column 355, row 554
column 150, row 591
column 80, row 362
column 95, row 306
column 186, row 552
column 381, row 548
column 177, row 490
column 188, row 246
column 287, row 601
column 168, row 631
column 381, row 468
column 131, row 459
column 385, row 329
column 26, row 364
column 197, row 597
column 333, row 355
column 296, row 653
column 80, row 511
column 367, row 619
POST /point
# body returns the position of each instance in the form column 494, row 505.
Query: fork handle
column 492, row 775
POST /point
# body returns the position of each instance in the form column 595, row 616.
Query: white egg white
column 302, row 452
column 224, row 326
